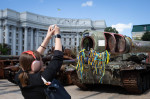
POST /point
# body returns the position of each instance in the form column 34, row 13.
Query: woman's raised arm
column 49, row 35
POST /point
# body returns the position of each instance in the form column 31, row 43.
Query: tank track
column 136, row 82
column 10, row 75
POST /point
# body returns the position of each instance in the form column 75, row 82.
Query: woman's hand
column 57, row 30
column 58, row 45
column 50, row 31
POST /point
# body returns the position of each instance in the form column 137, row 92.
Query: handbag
column 55, row 90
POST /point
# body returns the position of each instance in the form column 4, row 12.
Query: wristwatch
column 57, row 36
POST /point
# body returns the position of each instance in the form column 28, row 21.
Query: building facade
column 137, row 33
column 139, row 30
column 25, row 31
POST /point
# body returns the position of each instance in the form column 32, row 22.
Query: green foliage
column 86, row 31
column 146, row 36
column 5, row 49
column 110, row 29
column 137, row 38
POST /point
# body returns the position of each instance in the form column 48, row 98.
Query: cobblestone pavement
column 11, row 91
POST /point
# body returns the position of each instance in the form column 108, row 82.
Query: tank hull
column 125, row 68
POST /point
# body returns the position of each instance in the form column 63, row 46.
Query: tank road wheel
column 148, row 81
column 144, row 82
column 133, row 82
column 140, row 84
column 10, row 75
column 76, row 81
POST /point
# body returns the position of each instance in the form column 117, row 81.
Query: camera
column 53, row 26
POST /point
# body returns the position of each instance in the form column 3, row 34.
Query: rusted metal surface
column 9, row 66
column 87, row 43
column 131, row 82
column 141, row 46
column 6, row 63
column 110, row 42
column 148, row 59
column 120, row 43
column 114, row 43
column 93, row 40
column 76, row 81
column 10, row 72
column 136, row 81
column 8, row 57
column 127, row 67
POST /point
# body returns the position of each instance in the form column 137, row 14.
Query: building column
column 73, row 41
column 77, row 42
column 26, row 39
column 7, row 34
column 37, row 38
column 67, row 41
column 20, row 40
column 1, row 33
column 14, row 40
column 31, row 45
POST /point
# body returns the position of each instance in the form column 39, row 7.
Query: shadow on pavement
column 6, row 92
column 111, row 89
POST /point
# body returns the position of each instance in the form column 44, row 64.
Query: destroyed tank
column 9, row 66
column 117, row 60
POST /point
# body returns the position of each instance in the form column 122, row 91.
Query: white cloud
column 88, row 3
column 124, row 29
column 121, row 27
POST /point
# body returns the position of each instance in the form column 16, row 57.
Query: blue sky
column 122, row 14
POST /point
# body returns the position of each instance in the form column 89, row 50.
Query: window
column 10, row 27
column 10, row 41
column 23, row 30
column 3, row 27
column 3, row 33
column 75, row 39
column 16, row 47
column 144, row 28
column 16, row 41
column 22, row 48
column 75, row 43
column 29, row 30
column 17, row 29
column 64, row 39
column 69, row 39
column 9, row 34
column 69, row 43
column 17, row 35
column 16, row 53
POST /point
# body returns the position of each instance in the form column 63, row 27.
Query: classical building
column 25, row 31
column 139, row 30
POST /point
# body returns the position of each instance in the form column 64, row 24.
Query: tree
column 5, row 49
column 146, row 36
column 110, row 29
